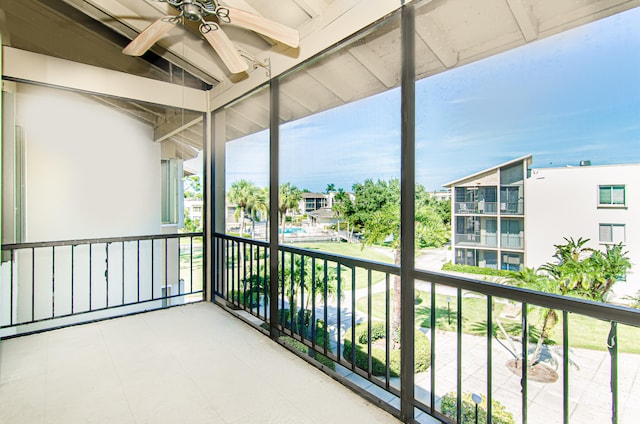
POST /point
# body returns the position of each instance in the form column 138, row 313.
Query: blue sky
column 570, row 97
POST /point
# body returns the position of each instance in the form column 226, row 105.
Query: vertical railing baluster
column 489, row 358
column 191, row 263
column 281, row 269
column 237, row 280
column 565, row 367
column 138, row 267
column 106, row 274
column 90, row 276
column 432, row 328
column 53, row 281
column 265, row 280
column 123, row 288
column 313, row 303
column 179, row 240
column 11, row 287
column 338, row 312
column 325, row 306
column 353, row 318
column 612, row 346
column 292, row 306
column 244, row 276
column 225, row 283
column 369, row 305
column 387, row 329
column 251, row 292
column 152, row 268
column 73, row 250
column 166, row 270
column 524, row 365
column 459, row 353
column 33, row 284
column 304, row 312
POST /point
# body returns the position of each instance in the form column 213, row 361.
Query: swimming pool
column 293, row 230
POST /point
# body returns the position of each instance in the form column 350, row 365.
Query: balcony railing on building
column 512, row 208
column 512, row 241
column 476, row 208
column 470, row 336
column 51, row 284
column 337, row 311
column 479, row 240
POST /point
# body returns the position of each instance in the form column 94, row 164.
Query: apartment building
column 534, row 210
column 488, row 216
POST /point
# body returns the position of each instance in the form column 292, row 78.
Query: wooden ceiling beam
column 524, row 18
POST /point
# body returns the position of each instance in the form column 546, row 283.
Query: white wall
column 563, row 202
column 91, row 171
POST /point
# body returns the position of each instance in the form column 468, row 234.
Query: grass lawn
column 584, row 332
column 355, row 251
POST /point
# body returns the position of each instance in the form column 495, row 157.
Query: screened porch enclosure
column 438, row 313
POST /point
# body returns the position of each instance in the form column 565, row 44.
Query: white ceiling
column 450, row 33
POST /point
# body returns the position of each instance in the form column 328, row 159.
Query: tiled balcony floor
column 190, row 364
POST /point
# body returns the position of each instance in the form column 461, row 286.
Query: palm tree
column 532, row 279
column 258, row 203
column 240, row 194
column 312, row 280
column 330, row 188
column 290, row 196
column 342, row 206
column 608, row 268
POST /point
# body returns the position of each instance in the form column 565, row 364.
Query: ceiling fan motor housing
column 195, row 10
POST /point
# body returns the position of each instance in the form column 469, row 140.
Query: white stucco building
column 599, row 203
column 534, row 209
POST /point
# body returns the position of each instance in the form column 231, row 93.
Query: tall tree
column 330, row 188
column 241, row 193
column 587, row 272
column 377, row 213
column 290, row 196
column 192, row 187
column 579, row 271
column 258, row 206
column 342, row 206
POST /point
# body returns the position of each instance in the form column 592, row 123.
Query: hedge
column 500, row 415
column 378, row 356
column 470, row 269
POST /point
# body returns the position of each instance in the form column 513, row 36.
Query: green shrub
column 378, row 355
column 500, row 415
column 470, row 269
column 301, row 347
column 377, row 332
column 249, row 299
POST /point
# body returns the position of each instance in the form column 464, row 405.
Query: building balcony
column 476, row 208
column 197, row 363
column 477, row 240
column 512, row 241
column 512, row 208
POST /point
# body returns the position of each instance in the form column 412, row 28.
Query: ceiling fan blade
column 274, row 30
column 223, row 46
column 150, row 35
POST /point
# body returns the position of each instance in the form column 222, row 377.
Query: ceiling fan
column 199, row 11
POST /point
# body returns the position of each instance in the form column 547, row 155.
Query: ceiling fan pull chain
column 223, row 14
column 206, row 27
column 173, row 19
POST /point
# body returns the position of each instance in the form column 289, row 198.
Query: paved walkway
column 589, row 376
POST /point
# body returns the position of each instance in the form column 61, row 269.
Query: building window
column 612, row 233
column 611, row 195
column 172, row 192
